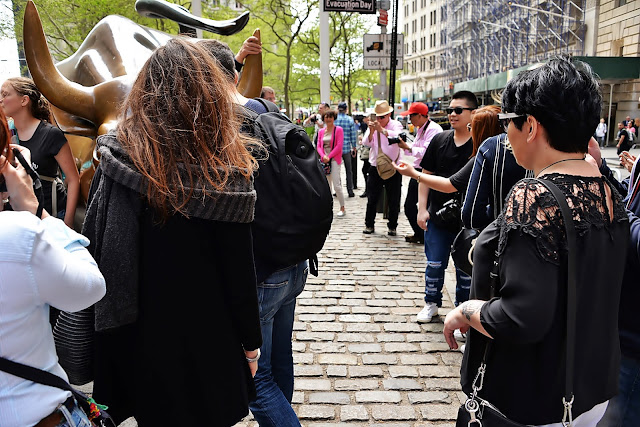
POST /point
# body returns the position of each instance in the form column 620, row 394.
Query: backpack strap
column 270, row 106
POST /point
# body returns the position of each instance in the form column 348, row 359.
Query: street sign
column 360, row 6
column 383, row 18
column 377, row 51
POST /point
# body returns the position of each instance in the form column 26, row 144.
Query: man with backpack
column 292, row 220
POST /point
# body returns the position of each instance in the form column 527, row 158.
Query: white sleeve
column 65, row 274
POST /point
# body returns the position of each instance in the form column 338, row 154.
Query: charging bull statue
column 87, row 89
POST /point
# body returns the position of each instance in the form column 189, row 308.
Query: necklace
column 555, row 163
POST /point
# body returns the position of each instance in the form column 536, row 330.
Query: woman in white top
column 43, row 263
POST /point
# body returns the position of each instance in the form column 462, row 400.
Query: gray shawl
column 112, row 225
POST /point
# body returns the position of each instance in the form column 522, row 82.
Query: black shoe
column 364, row 194
column 335, row 195
column 352, row 195
column 391, row 232
column 414, row 239
column 368, row 230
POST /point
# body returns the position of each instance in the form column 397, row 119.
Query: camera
column 402, row 136
column 450, row 211
column 313, row 119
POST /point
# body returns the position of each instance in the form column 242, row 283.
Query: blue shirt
column 349, row 127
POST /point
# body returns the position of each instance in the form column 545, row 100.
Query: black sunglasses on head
column 458, row 110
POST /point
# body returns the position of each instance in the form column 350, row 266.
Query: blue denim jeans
column 75, row 418
column 624, row 408
column 437, row 248
column 274, row 379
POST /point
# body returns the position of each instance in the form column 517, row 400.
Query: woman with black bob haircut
column 549, row 114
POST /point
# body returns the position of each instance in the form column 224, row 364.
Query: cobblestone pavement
column 360, row 357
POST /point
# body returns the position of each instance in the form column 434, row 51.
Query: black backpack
column 294, row 208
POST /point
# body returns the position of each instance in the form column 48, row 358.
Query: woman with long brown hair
column 50, row 152
column 169, row 221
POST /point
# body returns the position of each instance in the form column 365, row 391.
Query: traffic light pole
column 394, row 55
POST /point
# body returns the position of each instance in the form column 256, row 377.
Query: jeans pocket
column 271, row 294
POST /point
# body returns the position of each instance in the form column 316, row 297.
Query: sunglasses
column 458, row 110
column 505, row 119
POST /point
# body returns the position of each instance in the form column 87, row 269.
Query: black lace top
column 526, row 367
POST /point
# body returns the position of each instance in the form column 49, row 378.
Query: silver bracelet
column 253, row 359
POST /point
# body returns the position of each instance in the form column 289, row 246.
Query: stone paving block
column 440, row 371
column 364, row 348
column 304, row 358
column 357, row 295
column 338, row 309
column 340, row 288
column 391, row 337
column 369, row 310
column 401, row 384
column 336, row 371
column 381, row 303
column 452, row 358
column 418, row 359
column 405, row 303
column 353, row 413
column 358, row 384
column 439, row 412
column 442, row 384
column 395, row 347
column 362, row 327
column 428, row 397
column 352, row 302
column 406, row 311
column 316, row 301
column 327, row 347
column 429, row 347
column 378, row 397
column 297, row 397
column 314, row 336
column 326, row 327
column 327, row 294
column 401, row 327
column 403, row 371
column 317, row 317
column 355, row 337
column 355, row 318
column 299, row 326
column 365, row 371
column 426, row 337
column 337, row 359
column 298, row 346
column 387, row 295
column 305, row 384
column 315, row 412
column 393, row 412
column 379, row 359
column 310, row 309
column 307, row 371
column 334, row 398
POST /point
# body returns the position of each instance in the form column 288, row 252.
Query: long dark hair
column 39, row 105
column 180, row 111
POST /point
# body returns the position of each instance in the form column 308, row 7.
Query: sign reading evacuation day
column 360, row 6
column 377, row 51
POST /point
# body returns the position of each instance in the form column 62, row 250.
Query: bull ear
column 66, row 95
column 250, row 84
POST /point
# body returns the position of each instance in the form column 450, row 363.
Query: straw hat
column 382, row 108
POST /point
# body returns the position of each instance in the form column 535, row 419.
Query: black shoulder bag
column 96, row 414
column 477, row 412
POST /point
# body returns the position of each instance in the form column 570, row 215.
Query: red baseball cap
column 417, row 108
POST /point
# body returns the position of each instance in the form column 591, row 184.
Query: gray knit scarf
column 112, row 225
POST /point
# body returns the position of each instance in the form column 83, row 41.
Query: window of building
column 621, row 3
column 432, row 62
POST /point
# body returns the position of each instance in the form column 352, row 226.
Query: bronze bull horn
column 60, row 91
column 250, row 84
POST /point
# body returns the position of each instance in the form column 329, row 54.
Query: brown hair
column 484, row 124
column 330, row 113
column 26, row 87
column 180, row 111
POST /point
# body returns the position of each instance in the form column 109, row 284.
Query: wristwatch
column 253, row 359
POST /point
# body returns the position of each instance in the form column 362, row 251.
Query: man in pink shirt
column 426, row 129
column 382, row 132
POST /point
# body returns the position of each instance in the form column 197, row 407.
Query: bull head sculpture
column 87, row 89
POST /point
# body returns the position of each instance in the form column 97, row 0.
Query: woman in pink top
column 330, row 139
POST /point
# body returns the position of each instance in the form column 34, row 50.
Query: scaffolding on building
column 484, row 37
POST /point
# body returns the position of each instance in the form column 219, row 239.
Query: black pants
column 354, row 170
column 374, row 191
column 365, row 172
column 411, row 206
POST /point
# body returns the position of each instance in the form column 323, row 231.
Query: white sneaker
column 459, row 336
column 427, row 313
column 462, row 347
column 340, row 213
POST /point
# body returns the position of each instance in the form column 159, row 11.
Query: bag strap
column 34, row 374
column 270, row 106
column 571, row 290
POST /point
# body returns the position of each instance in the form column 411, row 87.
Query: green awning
column 607, row 68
